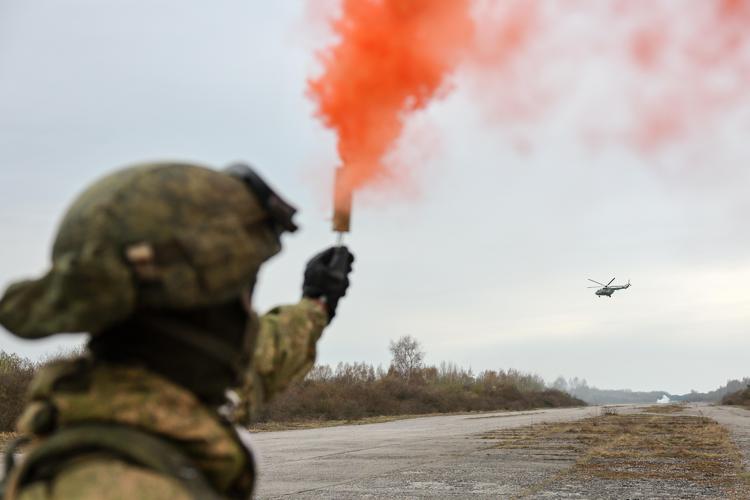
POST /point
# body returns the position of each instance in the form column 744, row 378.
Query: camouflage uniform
column 146, row 247
column 285, row 351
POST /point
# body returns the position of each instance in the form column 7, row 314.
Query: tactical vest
column 130, row 445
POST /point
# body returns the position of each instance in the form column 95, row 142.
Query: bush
column 15, row 375
column 739, row 398
column 352, row 391
column 356, row 391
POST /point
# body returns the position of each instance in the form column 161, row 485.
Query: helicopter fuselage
column 609, row 290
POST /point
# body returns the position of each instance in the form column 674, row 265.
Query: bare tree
column 560, row 384
column 407, row 356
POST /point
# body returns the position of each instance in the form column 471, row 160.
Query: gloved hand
column 327, row 277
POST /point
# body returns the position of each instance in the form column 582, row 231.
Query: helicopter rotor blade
column 602, row 284
column 610, row 282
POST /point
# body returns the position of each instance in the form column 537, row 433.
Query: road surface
column 420, row 457
column 734, row 419
column 440, row 457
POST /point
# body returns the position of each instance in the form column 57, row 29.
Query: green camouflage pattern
column 200, row 234
column 71, row 392
column 285, row 351
column 82, row 292
column 78, row 391
column 106, row 479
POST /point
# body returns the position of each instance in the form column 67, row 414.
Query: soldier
column 158, row 263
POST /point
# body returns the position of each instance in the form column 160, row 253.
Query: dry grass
column 650, row 447
column 15, row 375
column 316, row 424
column 5, row 438
column 661, row 447
column 665, row 408
column 739, row 398
column 359, row 391
column 608, row 410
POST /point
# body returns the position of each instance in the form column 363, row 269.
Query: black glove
column 327, row 277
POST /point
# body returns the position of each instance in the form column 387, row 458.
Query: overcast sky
column 483, row 257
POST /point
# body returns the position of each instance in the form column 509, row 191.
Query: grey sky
column 484, row 260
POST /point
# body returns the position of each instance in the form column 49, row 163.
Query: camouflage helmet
column 164, row 235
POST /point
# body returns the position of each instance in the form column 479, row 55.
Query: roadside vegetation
column 363, row 393
column 359, row 391
column 665, row 408
column 15, row 375
column 667, row 455
column 352, row 392
column 739, row 398
column 355, row 391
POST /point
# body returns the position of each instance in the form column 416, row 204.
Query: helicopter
column 608, row 289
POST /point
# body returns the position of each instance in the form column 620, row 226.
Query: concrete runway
column 442, row 457
column 428, row 457
column 735, row 420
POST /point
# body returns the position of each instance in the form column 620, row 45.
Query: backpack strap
column 9, row 461
column 125, row 443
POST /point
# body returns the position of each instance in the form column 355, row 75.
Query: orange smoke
column 692, row 63
column 675, row 70
column 672, row 71
column 392, row 58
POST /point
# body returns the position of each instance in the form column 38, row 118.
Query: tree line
column 352, row 391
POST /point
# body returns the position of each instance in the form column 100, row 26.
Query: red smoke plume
column 693, row 67
column 678, row 67
column 392, row 58
column 671, row 70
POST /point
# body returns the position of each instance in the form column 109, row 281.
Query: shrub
column 739, row 398
column 15, row 375
column 358, row 390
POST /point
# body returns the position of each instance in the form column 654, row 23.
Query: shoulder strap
column 126, row 443
column 9, row 462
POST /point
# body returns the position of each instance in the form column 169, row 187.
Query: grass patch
column 652, row 447
column 665, row 408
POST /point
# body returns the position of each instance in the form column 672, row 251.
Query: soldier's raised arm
column 287, row 337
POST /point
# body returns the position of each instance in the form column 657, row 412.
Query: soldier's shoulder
column 105, row 478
